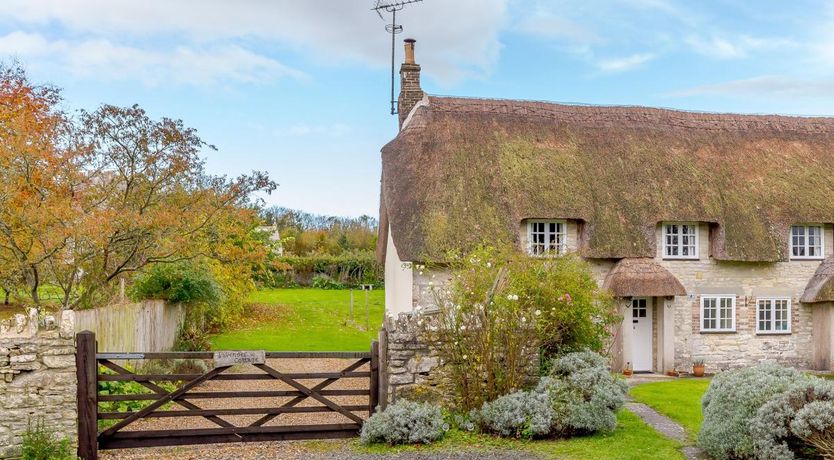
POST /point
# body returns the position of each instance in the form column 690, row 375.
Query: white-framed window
column 718, row 313
column 807, row 242
column 773, row 315
column 680, row 241
column 546, row 237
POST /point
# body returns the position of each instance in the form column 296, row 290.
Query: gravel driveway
column 290, row 450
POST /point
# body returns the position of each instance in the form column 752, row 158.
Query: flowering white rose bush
column 508, row 313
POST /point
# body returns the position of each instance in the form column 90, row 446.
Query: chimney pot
column 410, row 91
column 409, row 50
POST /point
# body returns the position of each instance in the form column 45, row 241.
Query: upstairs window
column 546, row 237
column 773, row 316
column 807, row 242
column 718, row 313
column 680, row 241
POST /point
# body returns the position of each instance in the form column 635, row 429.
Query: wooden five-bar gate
column 161, row 398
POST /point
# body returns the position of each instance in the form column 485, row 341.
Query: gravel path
column 337, row 450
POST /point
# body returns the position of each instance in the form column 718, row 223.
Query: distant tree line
column 305, row 234
column 323, row 251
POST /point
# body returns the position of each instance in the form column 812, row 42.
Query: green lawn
column 305, row 320
column 632, row 439
column 678, row 399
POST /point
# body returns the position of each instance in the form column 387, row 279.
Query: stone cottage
column 713, row 231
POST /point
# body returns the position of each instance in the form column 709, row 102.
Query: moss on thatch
column 641, row 277
column 464, row 172
column 821, row 286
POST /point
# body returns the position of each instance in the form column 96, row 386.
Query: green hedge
column 347, row 269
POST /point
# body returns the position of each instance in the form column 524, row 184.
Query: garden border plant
column 504, row 316
column 768, row 412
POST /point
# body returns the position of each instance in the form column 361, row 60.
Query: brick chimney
column 410, row 91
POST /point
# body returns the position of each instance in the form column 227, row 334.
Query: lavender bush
column 405, row 422
column 794, row 421
column 733, row 400
column 523, row 414
column 579, row 397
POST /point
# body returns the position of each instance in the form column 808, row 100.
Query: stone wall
column 37, row 377
column 409, row 360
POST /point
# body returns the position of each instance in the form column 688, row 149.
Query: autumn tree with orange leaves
column 89, row 199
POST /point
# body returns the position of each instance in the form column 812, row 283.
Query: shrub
column 125, row 387
column 192, row 337
column 174, row 366
column 523, row 414
column 814, row 423
column 581, row 396
column 795, row 421
column 405, row 422
column 585, row 396
column 41, row 444
column 501, row 311
column 351, row 269
column 732, row 400
column 326, row 282
column 182, row 282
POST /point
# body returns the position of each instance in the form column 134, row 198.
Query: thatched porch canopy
column 642, row 277
column 821, row 286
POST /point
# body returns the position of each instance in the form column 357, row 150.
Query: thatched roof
column 463, row 171
column 641, row 277
column 821, row 286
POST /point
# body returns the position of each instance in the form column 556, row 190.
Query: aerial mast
column 392, row 6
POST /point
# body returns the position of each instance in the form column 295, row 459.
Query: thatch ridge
column 642, row 277
column 464, row 171
column 821, row 286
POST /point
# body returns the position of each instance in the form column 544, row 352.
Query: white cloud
column 546, row 25
column 733, row 48
column 766, row 85
column 99, row 58
column 623, row 64
column 455, row 39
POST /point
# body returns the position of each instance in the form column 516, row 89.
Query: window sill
column 766, row 333
column 800, row 259
column 680, row 258
column 719, row 332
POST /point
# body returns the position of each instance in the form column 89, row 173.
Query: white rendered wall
column 399, row 279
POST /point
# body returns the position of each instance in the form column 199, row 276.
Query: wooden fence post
column 86, row 370
column 374, row 397
column 383, row 367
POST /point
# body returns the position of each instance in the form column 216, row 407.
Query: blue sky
column 300, row 88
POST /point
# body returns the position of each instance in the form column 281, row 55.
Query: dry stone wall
column 37, row 377
column 410, row 361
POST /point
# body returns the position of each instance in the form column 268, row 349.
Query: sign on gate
column 229, row 358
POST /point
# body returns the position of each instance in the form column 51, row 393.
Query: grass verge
column 305, row 320
column 678, row 399
column 631, row 440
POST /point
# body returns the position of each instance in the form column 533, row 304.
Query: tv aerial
column 392, row 6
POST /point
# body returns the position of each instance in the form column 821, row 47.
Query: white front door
column 641, row 334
